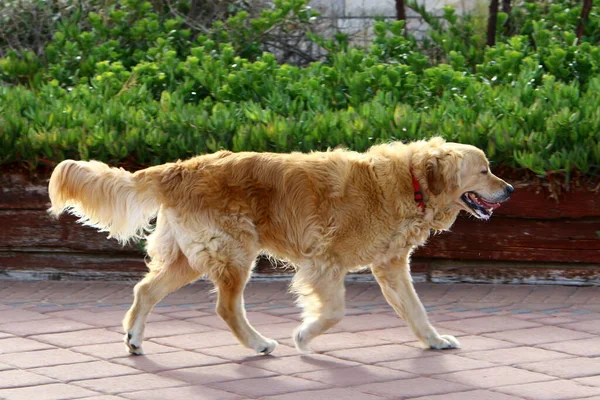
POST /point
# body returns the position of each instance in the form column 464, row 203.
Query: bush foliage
column 139, row 88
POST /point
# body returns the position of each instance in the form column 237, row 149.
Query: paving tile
column 494, row 377
column 463, row 314
column 472, row 343
column 239, row 353
column 568, row 368
column 107, row 351
column 216, row 373
column 487, row 324
column 255, row 319
column 375, row 354
column 402, row 334
column 185, row 314
column 43, row 358
column 82, row 371
column 88, row 317
column 297, row 364
column 37, row 327
column 260, row 387
column 516, row 355
column 591, row 380
column 14, row 315
column 282, row 331
column 550, row 350
column 470, row 395
column 590, row 398
column 553, row 390
column 167, row 361
column 17, row 378
column 4, row 367
column 525, row 314
column 287, row 312
column 128, row 383
column 101, row 319
column 554, row 320
column 443, row 363
column 342, row 340
column 354, row 376
column 369, row 322
column 46, row 392
column 202, row 340
column 182, row 393
column 80, row 338
column 542, row 334
column 583, row 347
column 164, row 308
column 435, row 317
column 412, row 388
column 324, row 394
column 18, row 344
column 584, row 316
column 589, row 326
column 262, row 318
column 172, row 328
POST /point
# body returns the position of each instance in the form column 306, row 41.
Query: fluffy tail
column 110, row 199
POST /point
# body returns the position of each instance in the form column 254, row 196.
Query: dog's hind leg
column 169, row 271
column 321, row 296
column 159, row 282
column 230, row 280
column 396, row 285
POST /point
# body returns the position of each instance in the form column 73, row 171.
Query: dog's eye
column 485, row 171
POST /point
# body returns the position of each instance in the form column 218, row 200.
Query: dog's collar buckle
column 418, row 193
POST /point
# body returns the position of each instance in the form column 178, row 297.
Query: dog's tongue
column 484, row 203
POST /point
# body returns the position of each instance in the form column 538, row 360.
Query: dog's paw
column 444, row 342
column 266, row 347
column 301, row 341
column 132, row 346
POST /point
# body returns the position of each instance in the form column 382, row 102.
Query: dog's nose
column 509, row 189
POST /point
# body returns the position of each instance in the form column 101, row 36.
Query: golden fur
column 325, row 212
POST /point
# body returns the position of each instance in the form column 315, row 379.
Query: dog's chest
column 399, row 241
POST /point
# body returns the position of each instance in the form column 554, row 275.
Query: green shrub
column 138, row 89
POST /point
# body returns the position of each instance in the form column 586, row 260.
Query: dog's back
column 295, row 202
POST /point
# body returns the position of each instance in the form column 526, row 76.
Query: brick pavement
column 62, row 340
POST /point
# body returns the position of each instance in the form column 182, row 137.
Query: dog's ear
column 442, row 170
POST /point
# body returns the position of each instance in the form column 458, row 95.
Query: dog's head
column 460, row 175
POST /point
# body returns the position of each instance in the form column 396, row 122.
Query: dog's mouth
column 480, row 207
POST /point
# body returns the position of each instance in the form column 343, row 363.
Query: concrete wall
column 356, row 17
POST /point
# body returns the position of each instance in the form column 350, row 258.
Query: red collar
column 418, row 192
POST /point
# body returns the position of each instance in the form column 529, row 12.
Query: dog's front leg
column 397, row 287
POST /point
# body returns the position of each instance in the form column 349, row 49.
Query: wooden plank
column 528, row 202
column 51, row 265
column 60, row 266
column 516, row 275
column 517, row 239
column 51, row 261
column 21, row 191
column 516, row 254
column 35, row 229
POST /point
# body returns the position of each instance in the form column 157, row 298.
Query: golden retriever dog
column 327, row 213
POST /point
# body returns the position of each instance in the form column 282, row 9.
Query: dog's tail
column 110, row 199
